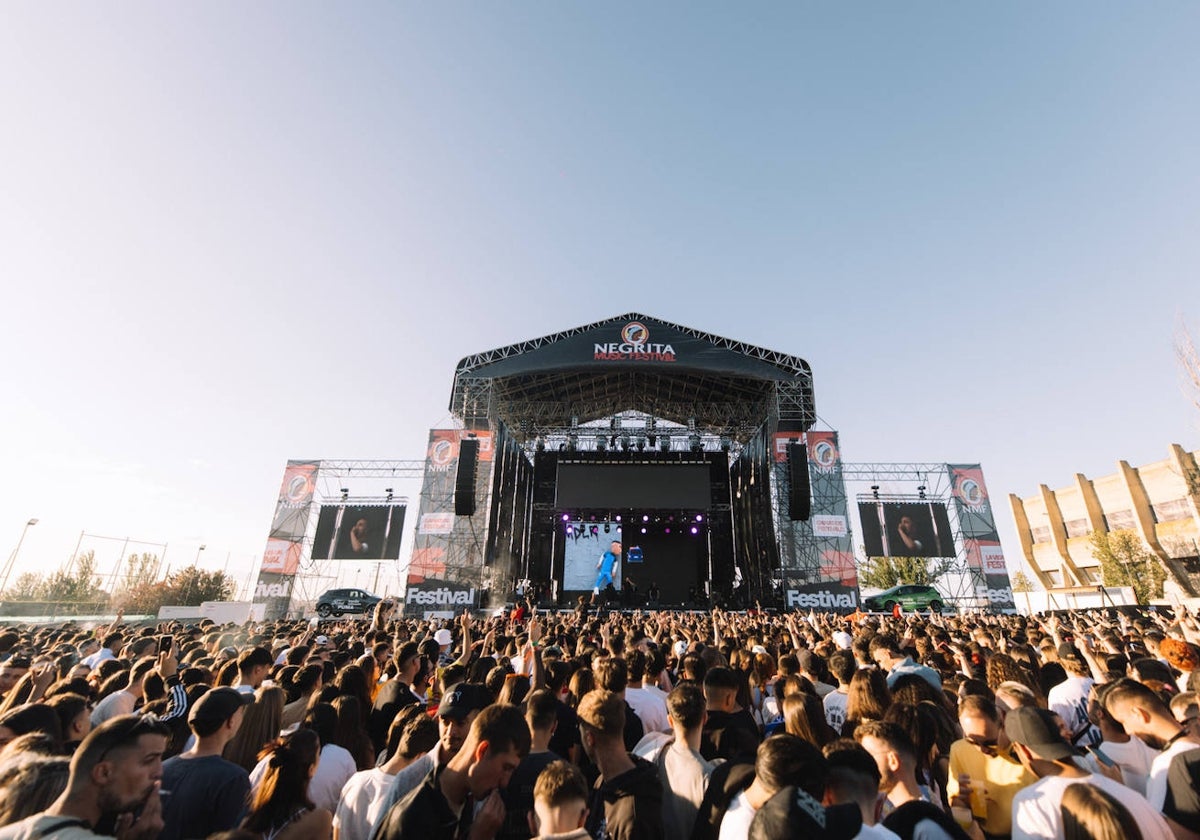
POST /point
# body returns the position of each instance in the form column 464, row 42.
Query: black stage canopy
column 634, row 362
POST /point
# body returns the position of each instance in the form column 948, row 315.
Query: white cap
column 758, row 649
column 443, row 637
column 680, row 647
column 322, row 640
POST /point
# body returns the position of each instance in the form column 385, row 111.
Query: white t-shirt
column 1037, row 813
column 1134, row 757
column 1156, row 785
column 835, row 709
column 736, row 824
column 359, row 808
column 1068, row 700
column 650, row 709
column 334, row 769
column 116, row 704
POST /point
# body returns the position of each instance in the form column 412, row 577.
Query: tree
column 139, row 571
column 78, row 585
column 27, row 587
column 1021, row 582
column 1125, row 561
column 189, row 587
column 886, row 572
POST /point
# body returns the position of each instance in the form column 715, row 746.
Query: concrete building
column 1160, row 502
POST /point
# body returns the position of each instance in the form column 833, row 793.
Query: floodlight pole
column 12, row 558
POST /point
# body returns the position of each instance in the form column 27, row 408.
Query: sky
column 233, row 234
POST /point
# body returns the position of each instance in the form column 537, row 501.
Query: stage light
column 388, row 490
column 666, row 530
column 875, row 490
column 645, row 517
column 699, row 517
column 345, row 493
column 643, row 530
column 695, row 530
column 607, row 527
column 618, row 517
column 566, row 517
column 921, row 492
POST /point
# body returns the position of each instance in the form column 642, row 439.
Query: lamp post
column 12, row 558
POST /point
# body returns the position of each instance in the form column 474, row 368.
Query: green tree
column 189, row 587
column 139, row 571
column 27, row 587
column 78, row 585
column 886, row 572
column 1125, row 561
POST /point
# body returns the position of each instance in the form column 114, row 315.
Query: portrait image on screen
column 358, row 532
column 592, row 555
column 913, row 530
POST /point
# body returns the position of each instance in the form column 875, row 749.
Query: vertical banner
column 445, row 567
column 817, row 556
column 281, row 559
column 981, row 540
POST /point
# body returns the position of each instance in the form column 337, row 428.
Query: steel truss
column 960, row 583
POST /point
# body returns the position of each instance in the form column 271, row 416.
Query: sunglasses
column 987, row 745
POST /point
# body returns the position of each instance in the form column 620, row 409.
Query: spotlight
column 699, row 517
column 566, row 517
column 875, row 490
column 921, row 492
column 388, row 490
column 643, row 530
column 645, row 517
column 345, row 493
column 695, row 530
column 607, row 527
column 666, row 530
column 618, row 517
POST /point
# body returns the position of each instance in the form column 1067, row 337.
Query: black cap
column 1037, row 730
column 793, row 813
column 464, row 699
column 218, row 705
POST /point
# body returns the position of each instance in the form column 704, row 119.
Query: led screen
column 585, row 561
column 906, row 529
column 642, row 486
column 358, row 532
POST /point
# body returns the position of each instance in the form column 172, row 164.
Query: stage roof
column 633, row 362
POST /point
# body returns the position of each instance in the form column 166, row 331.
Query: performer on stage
column 606, row 569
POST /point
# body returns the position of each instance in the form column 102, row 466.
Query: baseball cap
column 793, row 813
column 217, row 705
column 464, row 699
column 321, row 640
column 443, row 637
column 1037, row 730
column 680, row 647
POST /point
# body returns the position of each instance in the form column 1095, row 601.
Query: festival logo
column 634, row 346
column 441, row 453
column 823, row 451
column 969, row 488
column 298, row 483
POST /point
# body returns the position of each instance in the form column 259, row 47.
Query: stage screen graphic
column 644, row 486
column 906, row 529
column 586, row 544
column 358, row 532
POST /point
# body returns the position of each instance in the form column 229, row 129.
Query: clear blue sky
column 233, row 234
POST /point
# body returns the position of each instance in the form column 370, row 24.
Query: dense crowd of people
column 586, row 724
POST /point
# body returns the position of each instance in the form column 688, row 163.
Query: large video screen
column 906, row 529
column 591, row 560
column 358, row 532
column 623, row 485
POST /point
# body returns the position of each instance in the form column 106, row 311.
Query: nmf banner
column 438, row 528
column 818, row 552
column 981, row 540
column 281, row 559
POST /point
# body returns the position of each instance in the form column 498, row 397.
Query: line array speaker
column 799, row 492
column 464, row 481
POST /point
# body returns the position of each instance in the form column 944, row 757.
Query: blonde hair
column 1089, row 813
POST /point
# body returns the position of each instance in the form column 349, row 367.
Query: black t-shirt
column 1183, row 790
column 208, row 795
column 424, row 814
column 731, row 736
column 566, row 733
column 392, row 697
column 518, row 796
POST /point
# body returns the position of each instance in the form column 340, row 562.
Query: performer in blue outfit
column 606, row 569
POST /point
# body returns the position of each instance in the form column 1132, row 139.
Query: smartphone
column 165, row 643
column 1101, row 757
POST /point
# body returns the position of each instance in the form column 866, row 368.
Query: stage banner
column 274, row 591
column 448, row 549
column 817, row 557
column 982, row 542
column 281, row 558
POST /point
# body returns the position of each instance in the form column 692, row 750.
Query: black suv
column 337, row 602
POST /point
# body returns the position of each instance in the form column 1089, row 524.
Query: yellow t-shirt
column 995, row 780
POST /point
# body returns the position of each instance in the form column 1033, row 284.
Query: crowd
column 636, row 726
